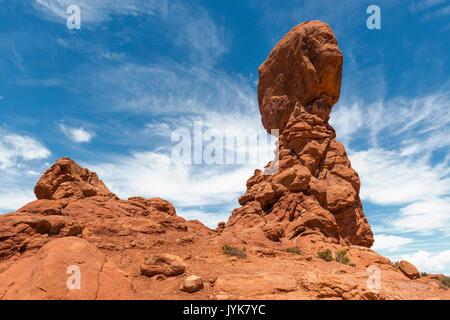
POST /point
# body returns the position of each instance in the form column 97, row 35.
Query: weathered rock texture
column 66, row 180
column 140, row 249
column 409, row 270
column 305, row 67
column 315, row 189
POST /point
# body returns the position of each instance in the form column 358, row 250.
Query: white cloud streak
column 79, row 135
column 390, row 179
column 15, row 148
column 396, row 147
column 170, row 89
column 185, row 25
column 96, row 11
column 20, row 156
column 425, row 261
column 389, row 242
column 176, row 96
column 156, row 173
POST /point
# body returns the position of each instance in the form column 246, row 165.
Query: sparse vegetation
column 395, row 264
column 326, row 255
column 233, row 251
column 341, row 257
column 423, row 274
column 293, row 250
column 445, row 282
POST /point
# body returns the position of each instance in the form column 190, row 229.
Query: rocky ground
column 300, row 232
column 140, row 249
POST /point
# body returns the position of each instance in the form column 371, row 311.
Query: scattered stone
column 167, row 264
column 192, row 284
column 74, row 230
column 409, row 270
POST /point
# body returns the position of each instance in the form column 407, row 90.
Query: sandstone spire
column 315, row 191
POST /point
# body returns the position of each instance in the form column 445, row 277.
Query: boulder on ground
column 166, row 264
column 192, row 284
column 409, row 270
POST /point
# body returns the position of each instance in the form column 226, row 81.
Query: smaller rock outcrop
column 66, row 179
column 409, row 270
column 132, row 249
column 74, row 202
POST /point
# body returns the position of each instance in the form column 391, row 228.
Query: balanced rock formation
column 304, row 67
column 314, row 189
column 192, row 284
column 80, row 241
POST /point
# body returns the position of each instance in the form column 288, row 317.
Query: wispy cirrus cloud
column 426, row 4
column 169, row 89
column 97, row 11
column 176, row 96
column 390, row 179
column 185, row 25
column 389, row 242
column 191, row 186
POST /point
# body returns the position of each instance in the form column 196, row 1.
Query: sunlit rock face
column 315, row 190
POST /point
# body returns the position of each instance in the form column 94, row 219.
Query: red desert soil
column 140, row 249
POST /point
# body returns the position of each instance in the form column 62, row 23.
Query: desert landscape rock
column 305, row 67
column 167, row 264
column 409, row 270
column 313, row 188
column 192, row 284
column 140, row 248
column 66, row 180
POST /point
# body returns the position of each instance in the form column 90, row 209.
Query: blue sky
column 110, row 94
